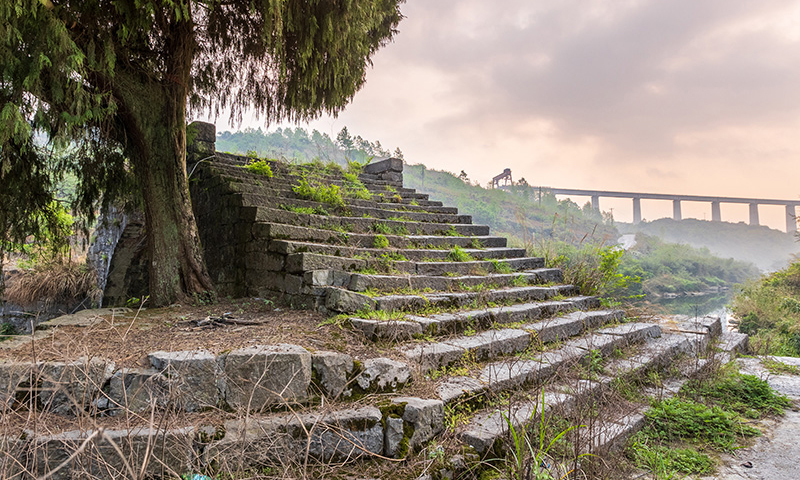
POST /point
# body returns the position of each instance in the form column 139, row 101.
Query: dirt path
column 775, row 455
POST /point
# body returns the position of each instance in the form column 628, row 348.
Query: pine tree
column 115, row 78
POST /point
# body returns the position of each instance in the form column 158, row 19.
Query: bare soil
column 127, row 339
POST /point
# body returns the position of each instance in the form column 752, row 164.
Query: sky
column 697, row 97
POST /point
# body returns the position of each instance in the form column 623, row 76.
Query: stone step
column 272, row 188
column 239, row 179
column 352, row 210
column 489, row 426
column 270, row 231
column 481, row 267
column 358, row 224
column 493, row 343
column 392, row 283
column 307, row 261
column 411, row 326
column 341, row 300
column 465, row 299
column 162, row 450
column 281, row 172
column 286, row 247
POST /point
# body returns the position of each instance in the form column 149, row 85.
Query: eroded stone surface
column 425, row 416
column 70, row 387
column 196, row 377
column 331, row 371
column 137, row 390
column 383, row 374
column 263, row 376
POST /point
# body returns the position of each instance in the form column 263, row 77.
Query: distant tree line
column 298, row 144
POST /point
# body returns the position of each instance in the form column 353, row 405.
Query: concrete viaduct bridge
column 716, row 216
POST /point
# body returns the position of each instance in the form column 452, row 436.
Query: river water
column 693, row 306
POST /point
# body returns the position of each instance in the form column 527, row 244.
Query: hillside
column 769, row 249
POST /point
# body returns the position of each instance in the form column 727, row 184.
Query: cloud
column 626, row 95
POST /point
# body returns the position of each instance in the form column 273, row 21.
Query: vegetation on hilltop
column 678, row 268
column 298, row 144
column 769, row 249
column 769, row 311
column 524, row 214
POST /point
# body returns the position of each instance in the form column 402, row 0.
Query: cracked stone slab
column 393, row 330
column 262, row 376
column 196, row 377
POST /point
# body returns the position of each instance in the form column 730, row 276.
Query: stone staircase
column 467, row 338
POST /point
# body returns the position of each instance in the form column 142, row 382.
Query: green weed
column 745, row 394
column 501, row 267
column 380, row 241
column 329, row 194
column 457, row 254
column 778, row 368
column 259, row 167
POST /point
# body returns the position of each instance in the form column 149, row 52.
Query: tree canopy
column 112, row 81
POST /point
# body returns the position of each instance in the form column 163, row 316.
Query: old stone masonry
column 470, row 337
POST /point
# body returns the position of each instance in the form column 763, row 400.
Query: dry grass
column 53, row 283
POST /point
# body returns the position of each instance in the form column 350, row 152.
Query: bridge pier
column 716, row 213
column 596, row 202
column 754, row 214
column 637, row 210
column 791, row 219
column 676, row 210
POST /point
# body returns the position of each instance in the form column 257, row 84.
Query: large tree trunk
column 153, row 112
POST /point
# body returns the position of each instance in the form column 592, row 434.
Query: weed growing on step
column 501, row 267
column 457, row 254
column 305, row 210
column 529, row 449
column 6, row 330
column 394, row 256
column 476, row 244
column 259, row 167
column 679, row 419
column 450, row 232
column 329, row 194
column 386, row 229
column 519, row 281
column 779, row 368
column 380, row 241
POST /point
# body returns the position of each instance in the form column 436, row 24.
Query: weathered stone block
column 304, row 262
column 393, row 437
column 346, row 434
column 195, row 377
column 331, row 371
column 164, row 452
column 383, row 375
column 264, row 261
column 69, row 387
column 340, row 300
column 385, row 165
column 394, row 330
column 137, row 390
column 260, row 377
column 426, row 418
column 12, row 374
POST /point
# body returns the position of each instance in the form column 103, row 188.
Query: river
column 693, row 306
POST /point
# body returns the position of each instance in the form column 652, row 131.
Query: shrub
column 259, row 167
